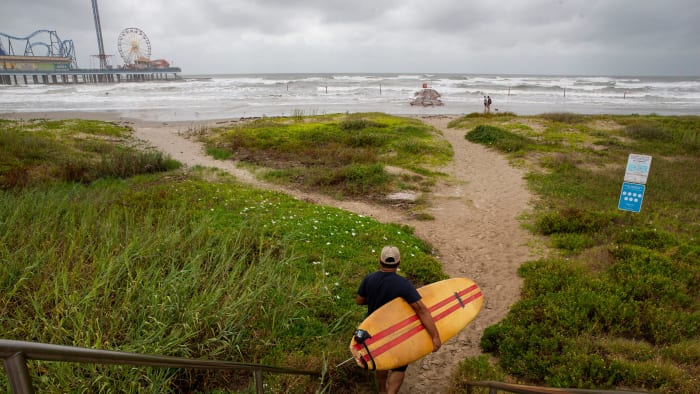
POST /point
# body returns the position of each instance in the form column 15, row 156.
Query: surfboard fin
column 459, row 299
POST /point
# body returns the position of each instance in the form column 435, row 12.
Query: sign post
column 633, row 187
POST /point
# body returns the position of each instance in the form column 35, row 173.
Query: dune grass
column 39, row 151
column 618, row 298
column 345, row 156
column 187, row 264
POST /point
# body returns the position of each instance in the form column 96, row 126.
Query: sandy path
column 475, row 230
column 478, row 236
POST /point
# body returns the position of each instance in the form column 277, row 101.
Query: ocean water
column 204, row 97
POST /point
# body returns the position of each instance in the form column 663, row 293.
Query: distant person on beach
column 380, row 287
column 488, row 104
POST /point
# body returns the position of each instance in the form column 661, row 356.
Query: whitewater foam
column 226, row 96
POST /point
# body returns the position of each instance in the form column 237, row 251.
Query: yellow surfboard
column 393, row 335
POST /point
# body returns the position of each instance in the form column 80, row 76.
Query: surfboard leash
column 360, row 337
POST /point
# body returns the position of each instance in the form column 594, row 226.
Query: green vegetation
column 345, row 156
column 177, row 263
column 475, row 369
column 501, row 139
column 38, row 152
column 618, row 305
column 106, row 246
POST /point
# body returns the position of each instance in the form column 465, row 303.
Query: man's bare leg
column 381, row 380
column 394, row 381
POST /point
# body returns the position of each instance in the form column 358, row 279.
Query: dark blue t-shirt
column 381, row 287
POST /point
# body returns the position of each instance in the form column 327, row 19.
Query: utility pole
column 98, row 29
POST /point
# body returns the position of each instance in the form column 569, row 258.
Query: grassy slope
column 617, row 304
column 169, row 263
column 174, row 263
column 345, row 156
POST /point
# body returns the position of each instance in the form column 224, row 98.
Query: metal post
column 259, row 381
column 18, row 374
column 98, row 30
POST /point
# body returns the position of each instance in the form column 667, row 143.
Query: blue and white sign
column 631, row 197
column 637, row 169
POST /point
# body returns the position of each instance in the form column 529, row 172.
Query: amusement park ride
column 135, row 49
column 44, row 52
column 52, row 48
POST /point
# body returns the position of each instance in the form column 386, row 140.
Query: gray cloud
column 506, row 36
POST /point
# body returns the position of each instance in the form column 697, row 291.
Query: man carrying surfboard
column 379, row 288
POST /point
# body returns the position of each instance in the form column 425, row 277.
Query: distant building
column 34, row 63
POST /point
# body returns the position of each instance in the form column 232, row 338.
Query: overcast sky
column 599, row 37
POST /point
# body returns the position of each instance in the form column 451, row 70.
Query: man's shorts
column 400, row 369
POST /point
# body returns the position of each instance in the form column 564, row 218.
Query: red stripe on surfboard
column 415, row 330
column 414, row 317
column 451, row 297
column 455, row 307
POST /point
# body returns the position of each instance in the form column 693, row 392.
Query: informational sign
column 637, row 168
column 636, row 174
column 631, row 197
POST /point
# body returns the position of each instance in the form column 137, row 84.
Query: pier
column 83, row 76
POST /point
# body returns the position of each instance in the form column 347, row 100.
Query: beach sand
column 475, row 230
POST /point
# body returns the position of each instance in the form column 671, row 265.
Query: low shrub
column 350, row 124
column 476, row 369
column 654, row 375
column 354, row 180
column 572, row 220
column 126, row 163
column 218, row 153
column 565, row 117
column 648, row 131
column 550, row 276
column 582, row 365
column 71, row 151
column 650, row 238
column 501, row 139
column 685, row 352
column 572, row 242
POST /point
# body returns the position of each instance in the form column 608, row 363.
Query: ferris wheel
column 134, row 46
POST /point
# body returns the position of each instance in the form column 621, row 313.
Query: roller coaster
column 41, row 43
column 42, row 57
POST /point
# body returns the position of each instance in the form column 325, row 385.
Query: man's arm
column 360, row 300
column 424, row 315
